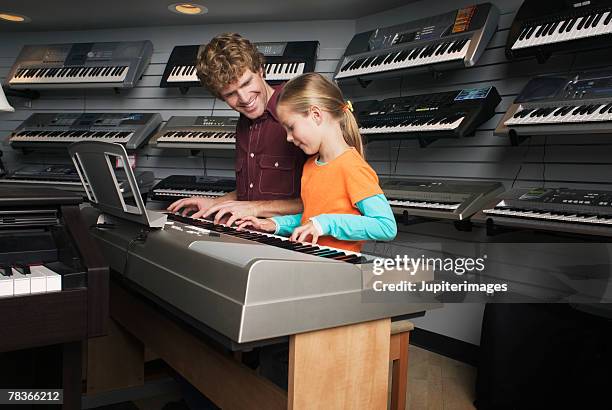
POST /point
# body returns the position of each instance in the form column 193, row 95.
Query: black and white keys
column 565, row 29
column 27, row 280
column 70, row 136
column 415, row 125
column 182, row 74
column 213, row 137
column 70, row 74
column 440, row 52
column 502, row 209
column 284, row 71
column 570, row 113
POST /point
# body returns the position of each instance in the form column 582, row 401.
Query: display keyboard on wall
column 283, row 61
column 58, row 130
column 542, row 27
column 576, row 103
column 175, row 187
column 197, row 133
column 579, row 211
column 450, row 40
column 449, row 114
column 80, row 65
column 454, row 200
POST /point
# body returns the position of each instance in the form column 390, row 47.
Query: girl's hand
column 258, row 224
column 302, row 232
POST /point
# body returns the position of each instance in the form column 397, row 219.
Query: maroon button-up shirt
column 267, row 166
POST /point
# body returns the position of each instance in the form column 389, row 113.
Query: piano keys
column 283, row 61
column 58, row 130
column 81, row 65
column 543, row 27
column 450, row 40
column 578, row 103
column 201, row 132
column 450, row 200
column 578, row 211
column 449, row 114
column 175, row 187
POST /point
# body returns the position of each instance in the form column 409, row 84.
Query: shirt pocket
column 240, row 178
column 277, row 174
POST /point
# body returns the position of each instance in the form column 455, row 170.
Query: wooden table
column 345, row 367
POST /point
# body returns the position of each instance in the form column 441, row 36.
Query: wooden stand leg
column 340, row 368
column 400, row 374
column 115, row 361
column 71, row 375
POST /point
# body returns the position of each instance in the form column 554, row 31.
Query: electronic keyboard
column 449, row 114
column 451, row 40
column 197, row 133
column 58, row 130
column 81, row 65
column 454, row 200
column 578, row 103
column 587, row 212
column 284, row 61
column 66, row 178
column 248, row 285
column 175, row 187
column 542, row 27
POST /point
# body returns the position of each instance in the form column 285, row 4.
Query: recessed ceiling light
column 17, row 18
column 191, row 9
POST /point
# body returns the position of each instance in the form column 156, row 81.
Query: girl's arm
column 376, row 222
column 286, row 224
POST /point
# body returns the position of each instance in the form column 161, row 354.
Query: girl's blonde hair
column 310, row 89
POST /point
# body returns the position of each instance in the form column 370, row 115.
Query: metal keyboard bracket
column 363, row 83
column 424, row 142
column 516, row 139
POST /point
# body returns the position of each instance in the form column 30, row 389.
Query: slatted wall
column 147, row 96
column 572, row 161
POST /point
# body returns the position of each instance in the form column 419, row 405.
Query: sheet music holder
column 94, row 161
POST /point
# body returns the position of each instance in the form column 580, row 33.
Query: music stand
column 94, row 161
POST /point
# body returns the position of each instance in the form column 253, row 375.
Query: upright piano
column 53, row 290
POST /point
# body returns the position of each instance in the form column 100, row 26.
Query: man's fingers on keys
column 220, row 214
column 232, row 219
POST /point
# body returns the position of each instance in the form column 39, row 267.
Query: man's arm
column 200, row 204
column 267, row 209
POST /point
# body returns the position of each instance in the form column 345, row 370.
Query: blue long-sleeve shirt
column 376, row 222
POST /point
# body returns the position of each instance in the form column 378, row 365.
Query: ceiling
column 52, row 15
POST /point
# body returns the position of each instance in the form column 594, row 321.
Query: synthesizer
column 454, row 200
column 58, row 130
column 197, row 132
column 542, row 27
column 176, row 187
column 579, row 103
column 65, row 177
column 246, row 285
column 451, row 40
column 448, row 114
column 80, row 65
column 283, row 61
column 586, row 212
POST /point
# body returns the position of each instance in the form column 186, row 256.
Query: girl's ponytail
column 350, row 129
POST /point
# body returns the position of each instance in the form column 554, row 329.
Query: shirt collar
column 271, row 105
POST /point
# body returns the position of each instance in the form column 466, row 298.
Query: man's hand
column 236, row 210
column 197, row 204
column 258, row 224
column 302, row 232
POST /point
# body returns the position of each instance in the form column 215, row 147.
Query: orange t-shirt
column 335, row 188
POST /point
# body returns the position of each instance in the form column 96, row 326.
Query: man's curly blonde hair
column 225, row 59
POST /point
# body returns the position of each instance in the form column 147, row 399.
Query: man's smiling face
column 248, row 95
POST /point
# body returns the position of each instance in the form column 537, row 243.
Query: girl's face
column 303, row 130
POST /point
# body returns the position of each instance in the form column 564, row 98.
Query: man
column 268, row 168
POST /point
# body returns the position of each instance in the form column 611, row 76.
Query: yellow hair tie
column 348, row 106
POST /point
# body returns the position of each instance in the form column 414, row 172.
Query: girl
column 343, row 203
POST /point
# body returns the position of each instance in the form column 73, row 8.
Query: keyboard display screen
column 473, row 94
